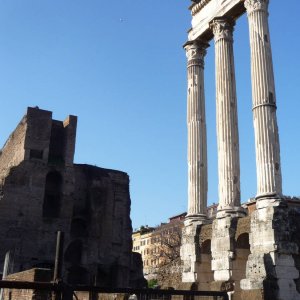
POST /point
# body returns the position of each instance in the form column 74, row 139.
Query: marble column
column 227, row 120
column 197, row 147
column 269, row 183
column 197, row 161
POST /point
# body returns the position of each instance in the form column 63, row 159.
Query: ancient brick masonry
column 43, row 191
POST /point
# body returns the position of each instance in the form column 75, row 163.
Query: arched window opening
column 242, row 252
column 103, row 276
column 205, row 270
column 57, row 143
column 52, row 196
column 242, row 241
column 206, row 247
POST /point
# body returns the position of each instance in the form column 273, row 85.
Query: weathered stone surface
column 243, row 226
column 43, row 191
column 272, row 265
column 250, row 295
column 205, row 233
column 190, row 251
column 223, row 247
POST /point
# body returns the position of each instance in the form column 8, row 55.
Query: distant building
column 161, row 244
column 154, row 243
column 43, row 191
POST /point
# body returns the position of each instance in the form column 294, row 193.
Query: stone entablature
column 205, row 11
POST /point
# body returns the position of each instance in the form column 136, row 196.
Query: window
column 57, row 142
column 52, row 196
column 38, row 154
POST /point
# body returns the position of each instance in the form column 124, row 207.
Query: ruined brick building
column 43, row 191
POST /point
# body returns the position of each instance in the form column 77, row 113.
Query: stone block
column 188, row 277
column 222, row 275
column 283, row 260
column 221, row 244
column 287, row 290
column 286, row 272
column 223, row 263
column 251, row 284
column 251, row 295
column 255, row 266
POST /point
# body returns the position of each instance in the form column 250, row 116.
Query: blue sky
column 120, row 67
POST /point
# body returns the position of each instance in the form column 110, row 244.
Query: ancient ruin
column 255, row 256
column 43, row 191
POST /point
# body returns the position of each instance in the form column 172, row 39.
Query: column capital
column 256, row 5
column 222, row 28
column 195, row 50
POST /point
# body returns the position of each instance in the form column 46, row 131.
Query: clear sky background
column 120, row 67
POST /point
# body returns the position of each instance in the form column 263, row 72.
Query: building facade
column 160, row 246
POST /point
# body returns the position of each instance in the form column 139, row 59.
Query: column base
column 251, row 284
column 196, row 219
column 189, row 251
column 270, row 200
column 274, row 263
column 235, row 211
column 223, row 247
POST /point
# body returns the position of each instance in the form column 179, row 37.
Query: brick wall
column 41, row 275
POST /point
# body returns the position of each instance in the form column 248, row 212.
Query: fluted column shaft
column 227, row 120
column 268, row 169
column 197, row 147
